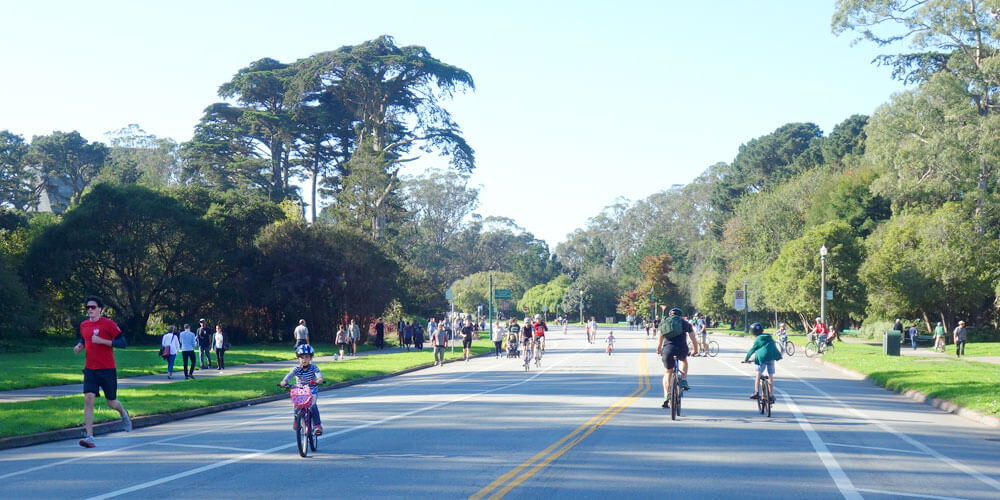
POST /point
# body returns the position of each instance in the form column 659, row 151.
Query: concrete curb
column 941, row 404
column 162, row 418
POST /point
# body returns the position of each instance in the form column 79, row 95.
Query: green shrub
column 873, row 328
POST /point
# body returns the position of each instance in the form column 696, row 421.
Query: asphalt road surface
column 582, row 425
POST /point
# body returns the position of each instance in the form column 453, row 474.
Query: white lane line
column 244, row 450
column 223, row 463
column 916, row 444
column 896, row 494
column 833, row 468
column 917, row 452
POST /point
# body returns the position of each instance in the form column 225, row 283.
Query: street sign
column 502, row 293
column 525, row 308
column 448, row 295
column 741, row 300
column 829, row 295
column 544, row 308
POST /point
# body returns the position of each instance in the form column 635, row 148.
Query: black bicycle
column 676, row 391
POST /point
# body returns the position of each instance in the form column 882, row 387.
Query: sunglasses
column 89, row 307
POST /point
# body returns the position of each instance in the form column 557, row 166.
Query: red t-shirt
column 99, row 356
column 820, row 328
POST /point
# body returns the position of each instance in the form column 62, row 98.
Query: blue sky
column 577, row 103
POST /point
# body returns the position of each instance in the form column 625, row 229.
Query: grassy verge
column 59, row 366
column 66, row 412
column 971, row 384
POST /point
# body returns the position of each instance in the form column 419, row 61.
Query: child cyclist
column 307, row 374
column 765, row 353
column 610, row 341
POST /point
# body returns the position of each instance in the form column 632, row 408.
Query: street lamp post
column 822, row 283
column 581, row 307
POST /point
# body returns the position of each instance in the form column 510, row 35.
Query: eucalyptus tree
column 17, row 183
column 947, row 128
column 138, row 157
column 394, row 94
column 66, row 160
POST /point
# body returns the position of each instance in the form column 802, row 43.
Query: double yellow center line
column 530, row 467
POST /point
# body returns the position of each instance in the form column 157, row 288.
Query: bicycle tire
column 300, row 437
column 790, row 348
column 811, row 349
column 713, row 348
column 680, row 397
column 675, row 396
column 765, row 396
column 313, row 438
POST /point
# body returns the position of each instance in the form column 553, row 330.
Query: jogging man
column 467, row 335
column 99, row 372
column 674, row 334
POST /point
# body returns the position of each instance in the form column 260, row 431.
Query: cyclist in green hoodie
column 765, row 352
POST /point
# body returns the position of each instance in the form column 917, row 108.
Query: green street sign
column 448, row 295
column 502, row 294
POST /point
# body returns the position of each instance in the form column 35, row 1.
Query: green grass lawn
column 59, row 366
column 974, row 385
column 65, row 412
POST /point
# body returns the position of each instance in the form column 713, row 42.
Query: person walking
column 913, row 336
column 301, row 334
column 170, row 344
column 468, row 331
column 418, row 337
column 219, row 339
column 188, row 341
column 354, row 332
column 204, row 336
column 960, row 337
column 400, row 331
column 498, row 332
column 379, row 334
column 439, row 339
column 97, row 339
column 341, row 340
column 939, row 337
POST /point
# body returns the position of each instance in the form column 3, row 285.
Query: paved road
column 584, row 425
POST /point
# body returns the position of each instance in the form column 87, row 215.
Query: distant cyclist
column 821, row 334
column 674, row 334
column 539, row 328
column 610, row 341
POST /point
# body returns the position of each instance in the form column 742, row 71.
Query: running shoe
column 684, row 385
column 666, row 403
column 755, row 396
column 126, row 421
column 87, row 442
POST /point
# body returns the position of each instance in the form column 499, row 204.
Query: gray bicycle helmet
column 676, row 311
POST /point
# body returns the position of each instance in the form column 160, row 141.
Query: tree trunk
column 927, row 321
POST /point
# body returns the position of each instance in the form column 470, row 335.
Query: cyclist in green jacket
column 765, row 353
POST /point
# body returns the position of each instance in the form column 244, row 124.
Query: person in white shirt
column 188, row 342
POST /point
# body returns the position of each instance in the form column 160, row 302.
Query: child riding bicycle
column 765, row 353
column 610, row 341
column 307, row 374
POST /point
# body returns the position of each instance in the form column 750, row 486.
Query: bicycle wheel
column 673, row 401
column 311, row 434
column 680, row 396
column 790, row 348
column 713, row 348
column 300, row 435
column 811, row 349
column 765, row 397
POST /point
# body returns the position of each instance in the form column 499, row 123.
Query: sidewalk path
column 146, row 380
column 926, row 352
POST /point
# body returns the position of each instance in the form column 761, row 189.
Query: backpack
column 672, row 327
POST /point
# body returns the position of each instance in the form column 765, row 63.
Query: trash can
column 890, row 342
